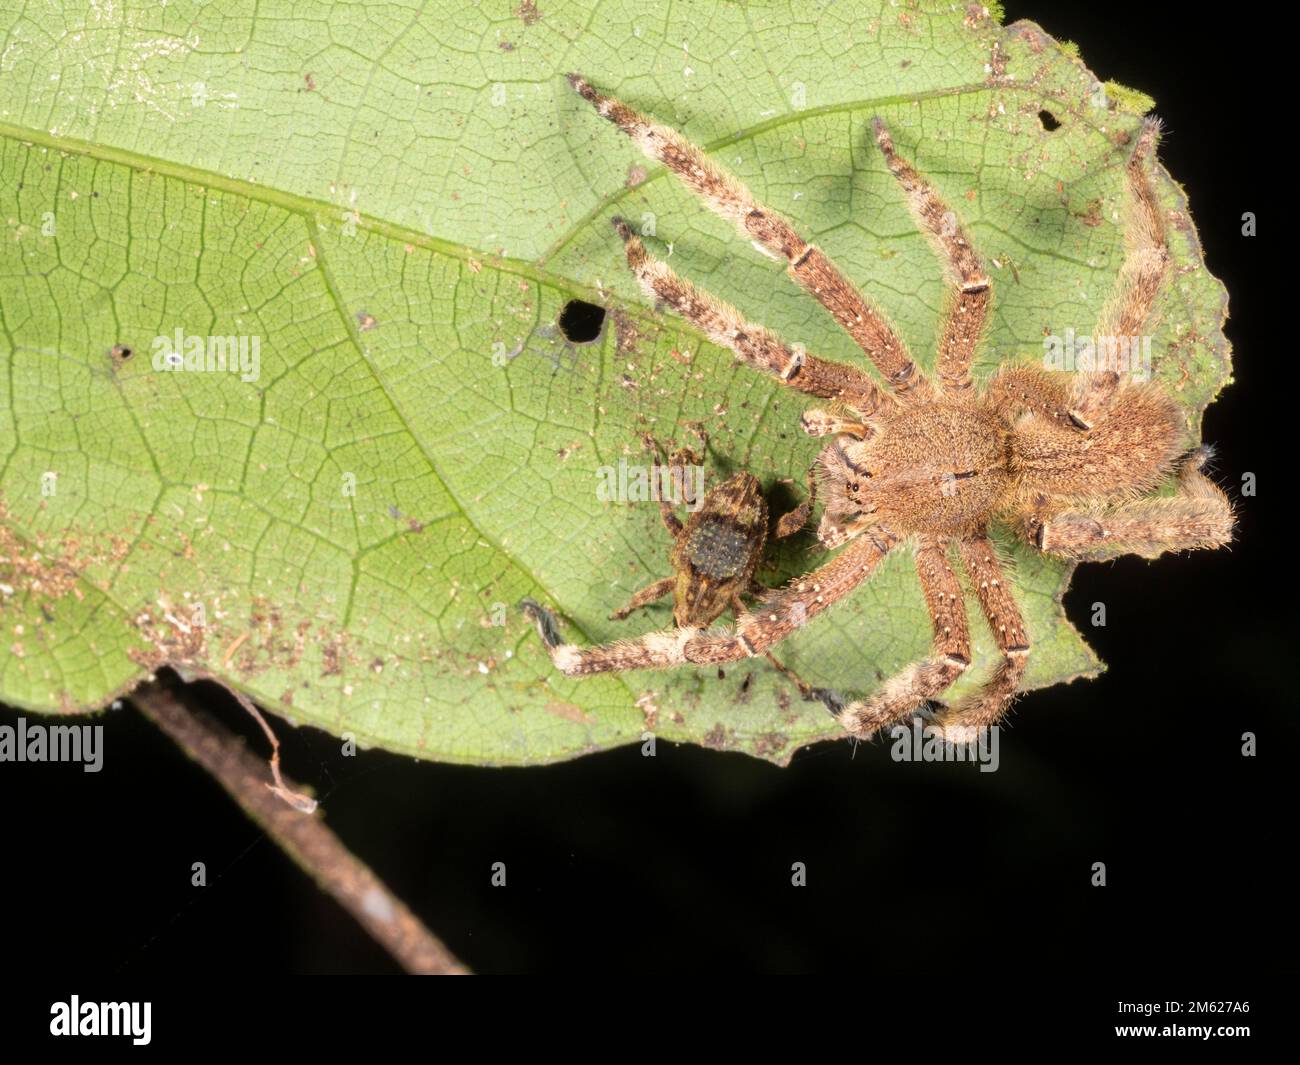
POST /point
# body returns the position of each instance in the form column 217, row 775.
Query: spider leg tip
column 832, row 700
column 547, row 626
column 582, row 86
column 1152, row 132
column 1198, row 457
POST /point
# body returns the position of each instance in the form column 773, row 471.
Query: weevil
column 714, row 555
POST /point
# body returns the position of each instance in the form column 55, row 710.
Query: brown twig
column 304, row 837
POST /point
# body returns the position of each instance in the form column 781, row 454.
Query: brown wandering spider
column 1068, row 465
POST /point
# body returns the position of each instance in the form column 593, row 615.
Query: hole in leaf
column 580, row 321
column 1050, row 121
column 121, row 352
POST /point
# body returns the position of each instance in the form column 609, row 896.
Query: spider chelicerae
column 1067, row 461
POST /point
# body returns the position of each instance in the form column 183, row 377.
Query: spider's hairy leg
column 835, row 530
column 808, row 265
column 961, row 723
column 970, row 292
column 651, row 593
column 753, row 344
column 782, row 612
column 818, row 422
column 1019, row 390
column 906, row 691
column 1146, row 261
column 1198, row 516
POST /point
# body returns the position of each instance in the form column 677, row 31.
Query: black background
column 681, row 863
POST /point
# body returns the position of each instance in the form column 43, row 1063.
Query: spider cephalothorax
column 1067, row 461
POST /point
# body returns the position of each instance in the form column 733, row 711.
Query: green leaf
column 397, row 203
